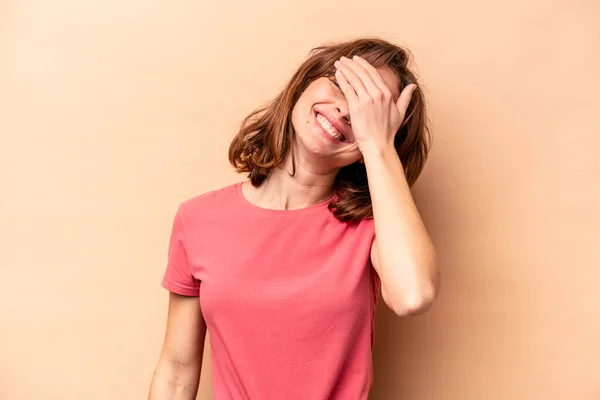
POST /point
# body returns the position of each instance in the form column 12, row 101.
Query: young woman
column 284, row 270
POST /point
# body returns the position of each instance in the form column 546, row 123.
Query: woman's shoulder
column 208, row 200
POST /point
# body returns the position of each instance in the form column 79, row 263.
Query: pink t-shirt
column 288, row 296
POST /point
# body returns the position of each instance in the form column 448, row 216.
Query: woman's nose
column 344, row 113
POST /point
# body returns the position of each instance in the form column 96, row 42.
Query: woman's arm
column 402, row 252
column 177, row 373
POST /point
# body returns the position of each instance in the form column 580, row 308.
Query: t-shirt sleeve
column 178, row 276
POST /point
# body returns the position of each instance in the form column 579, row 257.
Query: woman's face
column 320, row 115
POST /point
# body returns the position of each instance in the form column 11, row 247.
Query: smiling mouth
column 330, row 129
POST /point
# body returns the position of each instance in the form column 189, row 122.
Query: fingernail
column 356, row 57
column 337, row 63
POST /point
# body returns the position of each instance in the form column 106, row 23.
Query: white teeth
column 330, row 129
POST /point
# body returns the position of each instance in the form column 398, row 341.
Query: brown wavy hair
column 266, row 135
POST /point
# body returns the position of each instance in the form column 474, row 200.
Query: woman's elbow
column 417, row 305
column 417, row 302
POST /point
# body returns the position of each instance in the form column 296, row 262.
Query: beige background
column 114, row 111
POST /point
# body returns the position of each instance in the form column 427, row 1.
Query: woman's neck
column 283, row 191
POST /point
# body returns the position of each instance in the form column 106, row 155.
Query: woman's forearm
column 174, row 381
column 406, row 256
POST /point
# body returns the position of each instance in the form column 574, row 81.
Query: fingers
column 404, row 99
column 347, row 89
column 352, row 76
column 374, row 74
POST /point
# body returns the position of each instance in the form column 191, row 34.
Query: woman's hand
column 374, row 115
